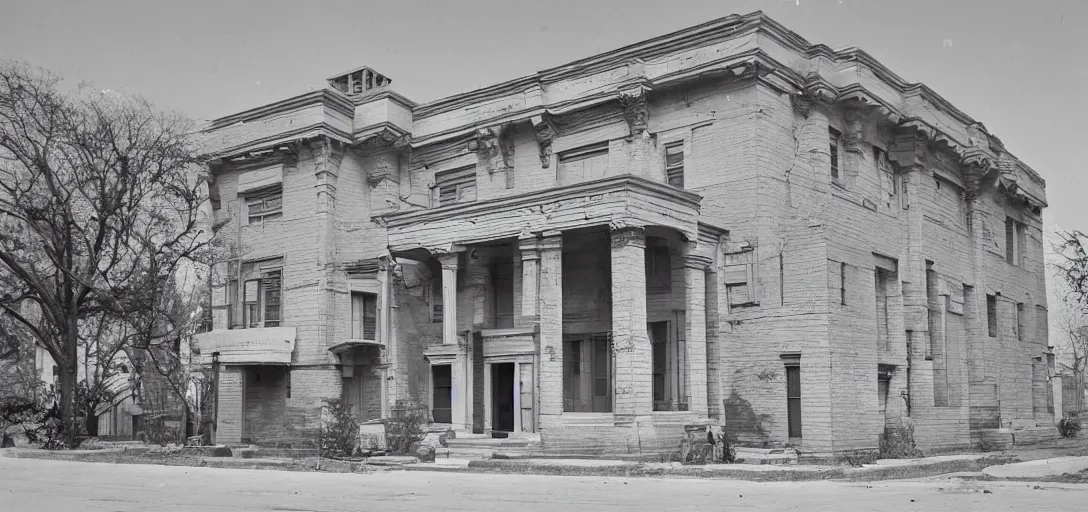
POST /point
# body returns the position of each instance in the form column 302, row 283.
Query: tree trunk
column 68, row 400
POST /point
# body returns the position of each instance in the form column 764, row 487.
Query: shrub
column 1069, row 426
column 858, row 458
column 339, row 430
column 985, row 445
column 897, row 442
column 405, row 427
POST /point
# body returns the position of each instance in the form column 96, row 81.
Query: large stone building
column 723, row 223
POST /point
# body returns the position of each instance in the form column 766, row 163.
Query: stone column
column 551, row 324
column 713, row 346
column 449, row 297
column 385, row 322
column 530, row 277
column 630, row 342
column 695, row 335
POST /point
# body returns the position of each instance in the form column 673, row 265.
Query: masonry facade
column 723, row 224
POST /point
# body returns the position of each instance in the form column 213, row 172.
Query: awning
column 266, row 345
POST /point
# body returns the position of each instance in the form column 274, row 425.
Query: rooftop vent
column 358, row 81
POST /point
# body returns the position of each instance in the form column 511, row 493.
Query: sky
column 1017, row 66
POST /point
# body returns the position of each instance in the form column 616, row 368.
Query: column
column 530, row 276
column 449, row 297
column 695, row 335
column 385, row 335
column 458, row 392
column 551, row 324
column 713, row 346
column 630, row 342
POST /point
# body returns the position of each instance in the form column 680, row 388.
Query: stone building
column 726, row 223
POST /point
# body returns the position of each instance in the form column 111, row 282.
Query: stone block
column 372, row 435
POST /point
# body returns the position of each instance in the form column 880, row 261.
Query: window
column 261, row 300
column 364, row 316
column 658, row 265
column 264, row 206
column 740, row 275
column 1014, row 242
column 833, row 150
column 883, row 280
column 502, row 282
column 436, row 298
column 674, row 164
column 1020, row 323
column 842, row 283
column 991, row 315
column 455, row 186
column 583, row 164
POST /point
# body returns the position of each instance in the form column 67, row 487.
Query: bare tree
column 1072, row 271
column 99, row 203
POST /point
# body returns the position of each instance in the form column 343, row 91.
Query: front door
column 502, row 397
column 442, row 398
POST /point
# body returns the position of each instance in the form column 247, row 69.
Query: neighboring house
column 726, row 223
column 115, row 419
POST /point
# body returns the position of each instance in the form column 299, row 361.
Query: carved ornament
column 545, row 132
column 635, row 110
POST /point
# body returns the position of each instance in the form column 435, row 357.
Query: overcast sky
column 1017, row 66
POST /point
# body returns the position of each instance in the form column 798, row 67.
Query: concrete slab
column 389, row 460
column 1039, row 468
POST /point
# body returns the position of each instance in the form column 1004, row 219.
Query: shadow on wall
column 742, row 422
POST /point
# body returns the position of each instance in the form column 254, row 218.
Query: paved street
column 40, row 485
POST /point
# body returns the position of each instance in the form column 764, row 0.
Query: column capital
column 551, row 241
column 448, row 260
column 623, row 235
column 529, row 247
column 697, row 261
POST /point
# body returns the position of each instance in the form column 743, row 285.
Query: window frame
column 369, row 304
column 834, row 154
column 255, row 312
column 462, row 180
column 676, row 169
column 262, row 196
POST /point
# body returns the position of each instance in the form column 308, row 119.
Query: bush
column 1069, row 426
column 405, row 427
column 858, row 458
column 339, row 430
column 897, row 442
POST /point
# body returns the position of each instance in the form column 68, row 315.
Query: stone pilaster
column 448, row 262
column 530, row 279
column 630, row 342
column 551, row 323
column 695, row 332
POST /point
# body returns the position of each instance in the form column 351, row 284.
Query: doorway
column 502, row 397
column 442, row 399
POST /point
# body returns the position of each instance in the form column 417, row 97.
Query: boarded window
column 833, row 150
column 740, row 275
column 658, row 265
column 264, row 205
column 991, row 315
column 364, row 316
column 674, row 164
column 455, row 186
column 583, row 164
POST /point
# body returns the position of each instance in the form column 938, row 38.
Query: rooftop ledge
column 624, row 200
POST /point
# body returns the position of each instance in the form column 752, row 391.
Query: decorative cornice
column 327, row 97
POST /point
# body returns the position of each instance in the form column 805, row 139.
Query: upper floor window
column 1014, row 242
column 262, row 306
column 364, row 316
column 833, row 149
column 991, row 315
column 455, row 186
column 264, row 206
column 674, row 164
column 583, row 164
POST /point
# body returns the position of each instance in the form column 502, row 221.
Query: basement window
column 455, row 186
column 674, row 164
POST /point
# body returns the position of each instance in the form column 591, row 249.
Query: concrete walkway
column 1039, row 468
